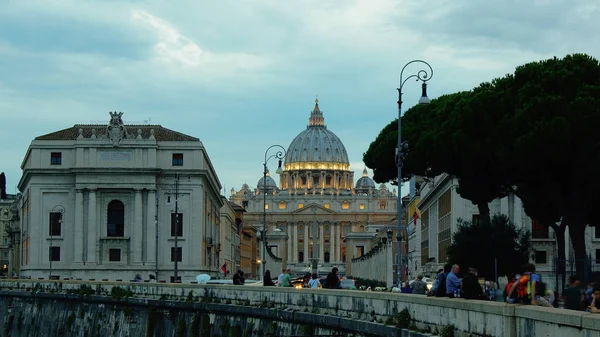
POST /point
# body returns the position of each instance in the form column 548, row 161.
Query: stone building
column 9, row 235
column 316, row 203
column 229, row 239
column 112, row 201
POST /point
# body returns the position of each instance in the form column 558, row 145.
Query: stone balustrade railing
column 375, row 265
column 468, row 317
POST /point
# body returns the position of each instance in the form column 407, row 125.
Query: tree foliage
column 479, row 244
column 2, row 186
column 533, row 133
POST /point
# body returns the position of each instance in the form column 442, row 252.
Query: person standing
column 267, row 281
column 314, row 282
column 238, row 278
column 573, row 295
column 332, row 281
column 453, row 282
column 471, row 287
column 418, row 286
column 286, row 280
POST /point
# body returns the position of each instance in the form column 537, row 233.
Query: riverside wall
column 255, row 310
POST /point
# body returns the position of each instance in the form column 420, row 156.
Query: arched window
column 115, row 225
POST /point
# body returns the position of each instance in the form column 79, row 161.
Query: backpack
column 524, row 289
column 441, row 290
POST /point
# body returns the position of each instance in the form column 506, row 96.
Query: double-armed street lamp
column 422, row 75
column 279, row 154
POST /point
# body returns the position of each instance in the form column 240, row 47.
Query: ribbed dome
column 365, row 182
column 270, row 182
column 316, row 144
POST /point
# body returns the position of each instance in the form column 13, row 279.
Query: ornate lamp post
column 422, row 75
column 175, row 193
column 61, row 211
column 279, row 154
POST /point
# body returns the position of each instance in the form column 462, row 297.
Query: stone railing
column 372, row 265
column 465, row 317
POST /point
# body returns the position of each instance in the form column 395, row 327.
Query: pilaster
column 92, row 228
column 320, row 229
column 151, row 223
column 306, row 240
column 138, row 231
column 78, row 227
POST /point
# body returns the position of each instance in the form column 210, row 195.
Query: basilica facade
column 316, row 204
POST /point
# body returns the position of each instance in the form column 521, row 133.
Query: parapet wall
column 470, row 318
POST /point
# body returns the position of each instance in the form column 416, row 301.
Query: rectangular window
column 54, row 254
column 177, row 159
column 300, row 256
column 266, row 206
column 326, row 206
column 56, row 158
column 114, row 255
column 300, row 206
column 282, row 205
column 345, row 205
column 541, row 257
column 382, row 204
column 177, row 224
column 179, row 254
column 55, row 224
column 361, row 206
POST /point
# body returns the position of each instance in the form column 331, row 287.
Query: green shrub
column 447, row 331
column 403, row 319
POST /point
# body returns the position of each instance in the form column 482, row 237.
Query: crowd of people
column 308, row 281
column 527, row 288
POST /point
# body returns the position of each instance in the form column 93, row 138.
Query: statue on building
column 116, row 130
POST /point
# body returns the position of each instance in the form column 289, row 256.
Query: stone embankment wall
column 340, row 311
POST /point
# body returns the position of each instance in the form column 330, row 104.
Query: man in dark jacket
column 470, row 286
column 238, row 278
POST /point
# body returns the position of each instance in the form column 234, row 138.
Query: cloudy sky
column 243, row 74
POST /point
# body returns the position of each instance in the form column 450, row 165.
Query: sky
column 242, row 75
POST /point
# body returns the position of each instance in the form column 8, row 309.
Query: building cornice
column 438, row 186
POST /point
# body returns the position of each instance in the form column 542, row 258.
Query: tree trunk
column 577, row 233
column 484, row 213
column 561, row 252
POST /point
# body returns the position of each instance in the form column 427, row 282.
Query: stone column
column 309, row 182
column 150, row 256
column 333, row 243
column 92, row 228
column 289, row 245
column 323, row 179
column 306, row 239
column 295, row 242
column 321, row 230
column 77, row 228
column 137, row 234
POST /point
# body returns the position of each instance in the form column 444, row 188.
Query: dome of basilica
column 270, row 182
column 316, row 147
column 365, row 183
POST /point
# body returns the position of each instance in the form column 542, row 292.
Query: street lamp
column 60, row 210
column 175, row 253
column 422, row 75
column 280, row 154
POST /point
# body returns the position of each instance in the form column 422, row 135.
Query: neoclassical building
column 112, row 201
column 317, row 202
